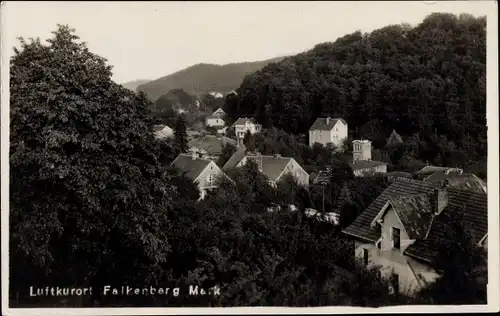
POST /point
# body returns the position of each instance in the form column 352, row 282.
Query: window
column 211, row 178
column 379, row 245
column 396, row 238
column 395, row 283
column 366, row 256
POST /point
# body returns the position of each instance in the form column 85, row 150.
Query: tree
column 87, row 189
column 249, row 141
column 180, row 134
column 462, row 265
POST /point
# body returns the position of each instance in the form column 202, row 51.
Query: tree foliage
column 87, row 187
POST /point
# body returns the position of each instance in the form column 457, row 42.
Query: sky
column 148, row 40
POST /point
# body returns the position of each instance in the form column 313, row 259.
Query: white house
column 214, row 121
column 273, row 167
column 328, row 130
column 162, row 131
column 203, row 172
column 216, row 95
column 362, row 164
column 244, row 125
column 400, row 230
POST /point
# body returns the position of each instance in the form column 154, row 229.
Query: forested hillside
column 427, row 82
column 203, row 78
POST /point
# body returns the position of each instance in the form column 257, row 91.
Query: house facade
column 328, row 130
column 214, row 121
column 362, row 164
column 273, row 167
column 203, row 172
column 399, row 231
column 244, row 125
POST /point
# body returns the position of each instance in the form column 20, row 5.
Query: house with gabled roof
column 327, row 130
column 244, row 125
column 399, row 232
column 203, row 172
column 459, row 180
column 219, row 112
column 273, row 167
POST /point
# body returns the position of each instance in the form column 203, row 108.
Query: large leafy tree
column 89, row 198
column 462, row 265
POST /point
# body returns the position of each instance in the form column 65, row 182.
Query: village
column 393, row 233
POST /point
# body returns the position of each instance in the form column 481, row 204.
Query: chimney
column 327, row 120
column 439, row 200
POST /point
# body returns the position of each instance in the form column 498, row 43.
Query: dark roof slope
column 463, row 181
column 394, row 139
column 192, row 167
column 365, row 164
column 361, row 228
column 272, row 166
column 476, row 215
column 416, row 214
column 321, row 124
column 475, row 203
column 238, row 155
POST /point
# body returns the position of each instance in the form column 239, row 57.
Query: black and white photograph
column 209, row 157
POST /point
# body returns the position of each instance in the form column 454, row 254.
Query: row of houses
column 398, row 232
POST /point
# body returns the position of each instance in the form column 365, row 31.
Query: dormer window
column 396, row 238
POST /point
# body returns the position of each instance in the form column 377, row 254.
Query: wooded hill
column 202, row 78
column 428, row 82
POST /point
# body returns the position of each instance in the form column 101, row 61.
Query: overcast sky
column 147, row 40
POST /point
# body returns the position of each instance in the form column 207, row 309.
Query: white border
column 493, row 210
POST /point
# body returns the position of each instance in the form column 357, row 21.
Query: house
column 162, row 131
column 394, row 140
column 219, row 112
column 362, row 164
column 400, row 230
column 209, row 146
column 214, row 121
column 203, row 172
column 244, row 125
column 273, row 167
column 330, row 217
column 459, row 180
column 328, row 130
column 428, row 170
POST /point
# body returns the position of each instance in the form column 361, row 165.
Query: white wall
column 392, row 260
column 214, row 122
column 203, row 179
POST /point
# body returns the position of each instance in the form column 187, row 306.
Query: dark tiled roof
column 463, row 181
column 211, row 144
column 476, row 215
column 272, row 166
column 432, row 169
column 365, row 164
column 238, row 155
column 361, row 226
column 399, row 174
column 416, row 214
column 192, row 167
column 475, row 203
column 320, row 123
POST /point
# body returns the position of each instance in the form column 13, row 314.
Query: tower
column 361, row 150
